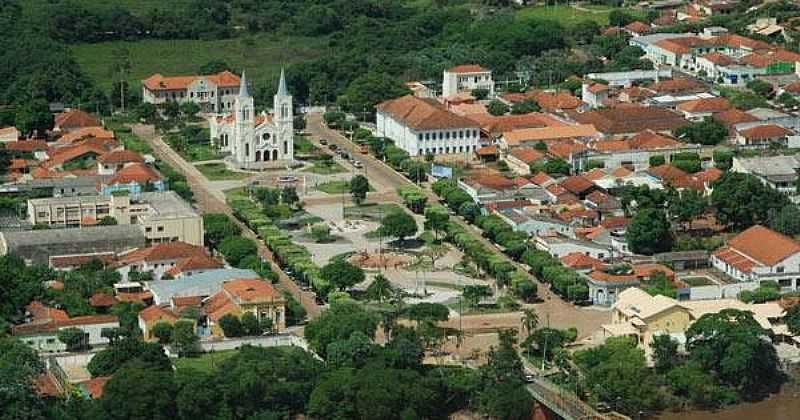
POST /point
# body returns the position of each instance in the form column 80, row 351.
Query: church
column 253, row 140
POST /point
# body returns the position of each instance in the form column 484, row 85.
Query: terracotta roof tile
column 159, row 82
column 121, row 156
column 497, row 182
column 734, row 116
column 578, row 260
column 467, row 68
column 424, row 114
column 638, row 27
column 94, row 387
column 197, row 262
column 167, row 251
column 612, row 278
column 75, row 119
column 631, row 119
column 527, row 154
column 496, row 125
column 718, row 104
column 718, row 58
column 155, row 313
column 140, row 173
column 594, row 174
column 577, row 184
column 542, row 179
column 102, row 300
column 490, row 150
column 26, row 145
column 678, row 85
column 251, row 291
column 83, row 133
column 766, row 131
column 752, row 243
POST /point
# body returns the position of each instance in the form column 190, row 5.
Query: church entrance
column 258, row 156
column 274, row 155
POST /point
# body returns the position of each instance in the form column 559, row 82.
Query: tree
column 189, row 110
column 530, row 320
column 732, row 344
column 184, row 338
column 525, row 107
column 74, row 338
column 289, row 196
column 649, row 232
column 352, row 352
column 497, row 108
column 342, row 275
column 359, row 186
column 741, row 200
column 473, row 294
column 469, row 211
column 657, row 160
column 617, row 17
column 19, row 366
column 107, row 221
column 399, row 224
column 793, row 319
column 33, row 117
column 414, row 170
column 250, row 324
column 665, row 353
column 761, row 88
column 502, row 394
column 214, row 66
column 710, row 131
column 480, row 93
column 163, row 332
column 380, row 289
column 236, row 248
column 723, row 159
column 126, row 351
column 154, row 397
column 121, row 65
column 787, row 100
column 338, row 323
column 557, row 167
column 436, row 219
column 321, row 232
column 687, row 205
column 218, row 227
column 787, row 220
column 369, row 89
column 231, row 326
column 428, row 312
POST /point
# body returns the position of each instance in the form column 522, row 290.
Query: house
column 253, row 140
column 637, row 28
column 9, row 134
column 532, row 136
column 72, row 120
column 423, row 126
column 763, row 135
column 43, row 324
column 80, row 155
column 582, row 262
column 488, row 187
column 84, row 133
column 604, row 203
column 642, row 316
column 634, row 153
column 631, row 120
column 465, row 78
column 759, row 254
column 164, row 216
column 39, row 246
column 246, row 295
column 535, row 224
column 579, row 186
column 152, row 315
column 134, row 179
column 778, row 172
column 213, row 93
column 115, row 160
column 159, row 259
column 678, row 87
column 200, row 285
column 560, row 245
column 733, row 117
column 699, row 109
column 605, row 287
column 519, row 159
column 595, row 94
column 493, row 126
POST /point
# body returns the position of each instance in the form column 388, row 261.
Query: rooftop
column 631, row 119
column 423, row 114
column 203, row 284
column 751, row 243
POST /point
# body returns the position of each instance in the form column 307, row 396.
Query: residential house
column 560, row 245
column 246, row 295
column 634, row 153
column 699, row 109
column 605, row 287
column 642, row 316
column 582, row 262
column 213, row 93
column 532, row 136
column 40, row 331
column 134, row 179
column 579, row 186
column 762, row 136
column 465, row 78
column 637, row 28
column 423, row 126
column 489, row 187
column 200, row 285
column 115, row 160
column 631, row 120
column 72, row 120
column 160, row 259
column 152, row 315
column 595, row 94
column 519, row 159
column 759, row 254
column 604, row 203
column 84, row 133
column 778, row 172
column 535, row 224
column 9, row 134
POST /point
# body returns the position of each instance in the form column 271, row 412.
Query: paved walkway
column 212, row 200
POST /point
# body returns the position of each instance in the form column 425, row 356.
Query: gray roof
column 243, row 93
column 203, row 284
column 67, row 182
column 39, row 245
column 771, row 166
column 166, row 205
column 282, row 90
column 765, row 114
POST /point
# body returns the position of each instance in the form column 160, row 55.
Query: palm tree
column 530, row 320
column 380, row 289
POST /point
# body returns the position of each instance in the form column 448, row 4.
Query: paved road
column 553, row 310
column 210, row 200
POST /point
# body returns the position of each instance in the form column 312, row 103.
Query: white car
column 287, row 179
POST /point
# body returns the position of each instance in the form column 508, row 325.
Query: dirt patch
column 386, row 260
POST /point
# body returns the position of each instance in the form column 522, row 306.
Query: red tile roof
column 75, row 119
column 137, row 172
column 527, row 154
column 467, row 68
column 102, row 300
column 26, row 145
column 614, row 222
column 718, row 58
column 644, row 271
column 764, row 245
column 666, row 172
column 121, row 156
column 251, row 291
column 717, row 104
column 631, row 119
column 556, row 101
column 734, row 116
column 638, row 27
column 166, row 251
column 491, row 150
column 578, row 260
column 541, row 179
column 496, row 125
column 83, row 133
column 565, row 149
column 678, row 85
column 424, row 114
column 155, row 313
column 497, row 182
column 577, row 184
column 594, row 174
column 93, row 146
column 612, row 278
column 159, row 82
column 197, row 262
column 621, row 172
column 767, row 131
column 95, row 386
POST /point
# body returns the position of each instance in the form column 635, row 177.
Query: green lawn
column 566, row 15
column 371, row 211
column 218, row 172
column 206, row 362
column 136, row 7
column 261, row 55
column 325, row 169
column 334, row 187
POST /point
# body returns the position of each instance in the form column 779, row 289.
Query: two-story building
column 240, row 296
column 760, row 254
column 465, row 78
column 214, row 93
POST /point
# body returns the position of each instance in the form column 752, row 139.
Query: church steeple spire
column 243, row 93
column 282, row 90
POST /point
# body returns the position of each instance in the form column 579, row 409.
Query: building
column 491, row 187
column 536, row 224
column 560, row 246
column 519, row 159
column 177, row 259
column 213, row 93
column 635, row 152
column 759, row 254
column 778, row 172
column 466, row 78
column 163, row 216
column 72, row 120
column 605, row 288
column 642, row 316
column 40, row 331
column 40, row 246
column 152, row 315
column 595, row 94
column 762, row 136
column 9, row 134
column 254, row 139
column 198, row 285
column 423, row 126
column 246, row 295
column 631, row 120
column 699, row 109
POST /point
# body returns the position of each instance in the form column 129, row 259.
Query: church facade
column 252, row 140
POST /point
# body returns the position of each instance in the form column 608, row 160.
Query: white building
column 8, row 134
column 252, row 139
column 40, row 331
column 466, row 78
column 214, row 93
column 759, row 254
column 778, row 172
column 423, row 126
column 560, row 246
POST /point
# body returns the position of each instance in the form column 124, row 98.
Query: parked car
column 323, row 142
column 333, row 147
column 287, row 178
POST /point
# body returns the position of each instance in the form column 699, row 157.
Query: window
column 785, row 282
column 148, row 229
column 191, row 94
column 779, row 269
column 160, row 228
column 419, row 136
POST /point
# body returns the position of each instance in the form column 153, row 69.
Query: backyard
column 205, row 362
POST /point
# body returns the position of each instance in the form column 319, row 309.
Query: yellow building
column 240, row 296
column 152, row 315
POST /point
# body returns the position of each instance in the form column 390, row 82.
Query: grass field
column 206, row 362
column 261, row 55
column 136, row 7
column 218, row 172
column 566, row 15
column 325, row 169
column 334, row 187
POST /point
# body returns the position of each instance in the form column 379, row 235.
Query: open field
column 218, row 172
column 205, row 362
column 566, row 15
column 261, row 55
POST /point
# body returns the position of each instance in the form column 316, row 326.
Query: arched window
column 284, row 111
column 285, row 147
column 274, row 155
